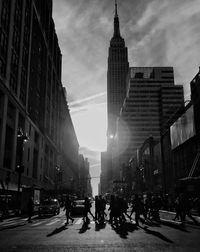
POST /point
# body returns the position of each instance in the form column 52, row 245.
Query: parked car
column 78, row 207
column 49, row 206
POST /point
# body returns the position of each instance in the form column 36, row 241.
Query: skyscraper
column 33, row 102
column 152, row 98
column 116, row 75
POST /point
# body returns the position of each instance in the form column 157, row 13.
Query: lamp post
column 58, row 178
column 21, row 139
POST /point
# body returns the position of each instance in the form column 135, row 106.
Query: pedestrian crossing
column 39, row 222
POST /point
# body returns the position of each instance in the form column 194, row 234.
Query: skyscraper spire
column 116, row 22
column 116, row 8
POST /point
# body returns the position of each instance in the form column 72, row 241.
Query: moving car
column 78, row 207
column 49, row 206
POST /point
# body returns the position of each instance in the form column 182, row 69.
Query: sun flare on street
column 90, row 126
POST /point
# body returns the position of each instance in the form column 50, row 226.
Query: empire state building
column 116, row 76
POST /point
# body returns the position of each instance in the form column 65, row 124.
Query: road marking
column 13, row 223
column 79, row 221
column 36, row 224
column 51, row 223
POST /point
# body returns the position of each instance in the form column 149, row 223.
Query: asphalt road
column 51, row 234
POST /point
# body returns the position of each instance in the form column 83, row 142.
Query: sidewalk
column 168, row 216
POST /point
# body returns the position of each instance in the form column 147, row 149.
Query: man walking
column 87, row 206
column 67, row 208
column 30, row 209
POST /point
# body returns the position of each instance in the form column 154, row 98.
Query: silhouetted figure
column 87, row 205
column 111, row 209
column 137, row 207
column 177, row 209
column 97, row 208
column 156, row 205
column 102, row 207
column 68, row 208
column 30, row 209
column 125, row 207
column 185, row 208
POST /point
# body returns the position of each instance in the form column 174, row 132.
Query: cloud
column 86, row 99
column 168, row 33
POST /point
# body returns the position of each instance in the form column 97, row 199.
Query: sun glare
column 90, row 126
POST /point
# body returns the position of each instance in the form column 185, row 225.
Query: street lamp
column 21, row 139
column 58, row 178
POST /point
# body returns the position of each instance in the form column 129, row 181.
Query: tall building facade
column 116, row 76
column 152, row 98
column 117, row 71
column 33, row 100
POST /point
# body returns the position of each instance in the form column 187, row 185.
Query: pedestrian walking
column 111, row 209
column 97, row 208
column 137, row 207
column 102, row 207
column 30, row 209
column 87, row 206
column 177, row 209
column 68, row 207
column 185, row 208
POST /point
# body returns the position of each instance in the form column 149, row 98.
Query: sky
column 156, row 33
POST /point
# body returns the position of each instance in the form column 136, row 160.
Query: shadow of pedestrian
column 157, row 234
column 99, row 226
column 123, row 229
column 57, row 230
column 84, row 228
column 175, row 226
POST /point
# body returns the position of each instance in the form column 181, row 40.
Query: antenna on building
column 116, row 15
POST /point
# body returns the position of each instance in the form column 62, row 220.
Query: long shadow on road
column 99, row 226
column 175, row 226
column 157, row 234
column 84, row 228
column 124, row 229
column 57, row 230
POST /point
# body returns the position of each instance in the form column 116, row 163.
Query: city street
column 51, row 234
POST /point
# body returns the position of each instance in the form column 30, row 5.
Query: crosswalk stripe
column 11, row 223
column 51, row 223
column 79, row 221
column 36, row 224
